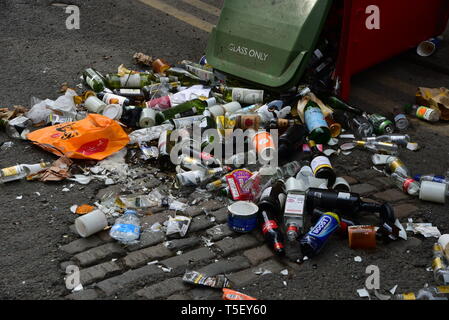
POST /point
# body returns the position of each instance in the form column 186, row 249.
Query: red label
column 270, row 225
column 278, row 246
column 292, row 228
column 93, row 147
column 407, row 184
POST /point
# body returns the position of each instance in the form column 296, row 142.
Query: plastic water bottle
column 126, row 228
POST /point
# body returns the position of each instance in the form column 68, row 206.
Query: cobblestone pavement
column 41, row 240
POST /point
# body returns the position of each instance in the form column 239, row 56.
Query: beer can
column 264, row 145
column 381, row 124
column 315, row 240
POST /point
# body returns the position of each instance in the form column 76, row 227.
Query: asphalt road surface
column 38, row 54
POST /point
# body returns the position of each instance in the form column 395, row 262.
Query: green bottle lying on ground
column 94, row 79
column 129, row 81
column 186, row 109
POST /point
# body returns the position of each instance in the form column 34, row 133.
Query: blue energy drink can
column 314, row 241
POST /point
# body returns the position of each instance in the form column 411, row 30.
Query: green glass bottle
column 316, row 124
column 202, row 72
column 186, row 78
column 186, row 109
column 128, row 81
column 338, row 104
column 94, row 79
column 242, row 95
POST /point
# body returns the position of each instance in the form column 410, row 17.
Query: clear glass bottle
column 21, row 171
column 407, row 185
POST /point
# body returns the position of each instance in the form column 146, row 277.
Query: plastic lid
column 243, row 208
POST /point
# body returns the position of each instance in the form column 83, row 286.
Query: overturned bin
column 270, row 43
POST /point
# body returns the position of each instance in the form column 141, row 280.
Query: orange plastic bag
column 95, row 137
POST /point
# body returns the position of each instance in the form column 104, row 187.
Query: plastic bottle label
column 9, row 172
column 130, row 91
column 314, row 119
column 319, row 163
column 92, row 80
column 424, row 113
column 126, row 228
column 294, row 205
column 130, row 81
column 269, row 225
column 247, row 96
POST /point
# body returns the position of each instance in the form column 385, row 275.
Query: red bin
column 403, row 25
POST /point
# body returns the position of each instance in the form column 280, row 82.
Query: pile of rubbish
column 268, row 154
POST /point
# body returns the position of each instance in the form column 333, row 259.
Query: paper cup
column 94, row 105
column 91, row 223
column 433, row 192
column 243, row 216
column 147, row 118
column 113, row 111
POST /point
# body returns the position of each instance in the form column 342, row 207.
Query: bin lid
column 267, row 41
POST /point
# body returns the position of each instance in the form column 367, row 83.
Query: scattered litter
column 363, row 293
column 425, row 229
column 178, row 225
column 262, row 271
column 19, row 198
column 234, row 295
column 284, row 272
column 78, row 288
column 153, row 262
column 285, row 283
column 393, row 290
column 165, row 269
column 358, row 259
column 194, row 277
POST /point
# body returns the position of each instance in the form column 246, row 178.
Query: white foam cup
column 433, row 192
column 95, row 105
column 91, row 223
column 147, row 118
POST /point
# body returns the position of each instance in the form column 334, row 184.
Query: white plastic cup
column 444, row 243
column 232, row 107
column 113, row 111
column 433, row 192
column 91, row 223
column 95, row 105
column 147, row 118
